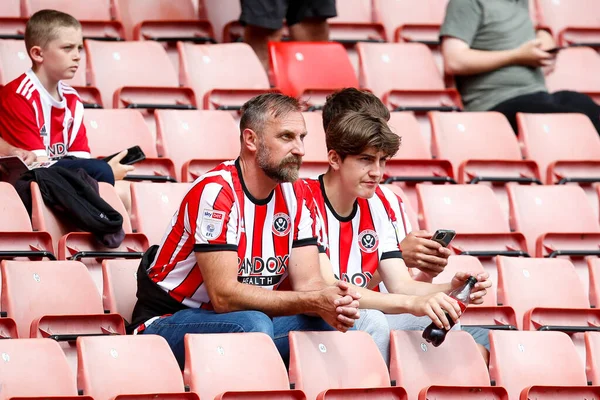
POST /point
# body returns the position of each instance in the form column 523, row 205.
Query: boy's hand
column 28, row 157
column 419, row 251
column 120, row 170
column 480, row 288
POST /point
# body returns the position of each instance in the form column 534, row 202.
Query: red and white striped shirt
column 31, row 119
column 356, row 244
column 219, row 214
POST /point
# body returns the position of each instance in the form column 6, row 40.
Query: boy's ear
column 335, row 161
column 36, row 54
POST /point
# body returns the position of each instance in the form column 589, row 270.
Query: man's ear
column 36, row 54
column 250, row 139
column 335, row 161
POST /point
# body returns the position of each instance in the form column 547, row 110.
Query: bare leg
column 258, row 37
column 310, row 30
column 123, row 189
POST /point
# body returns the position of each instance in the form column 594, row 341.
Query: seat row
column 461, row 147
column 142, row 74
column 323, row 365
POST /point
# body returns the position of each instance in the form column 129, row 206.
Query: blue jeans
column 196, row 320
column 97, row 169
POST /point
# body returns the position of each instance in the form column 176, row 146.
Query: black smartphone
column 443, row 236
column 134, row 154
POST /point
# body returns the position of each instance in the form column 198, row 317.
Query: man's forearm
column 471, row 62
column 274, row 303
column 414, row 288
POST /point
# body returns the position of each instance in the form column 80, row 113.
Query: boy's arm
column 19, row 125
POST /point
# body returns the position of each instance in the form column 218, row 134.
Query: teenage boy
column 360, row 234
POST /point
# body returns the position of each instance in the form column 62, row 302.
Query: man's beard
column 287, row 169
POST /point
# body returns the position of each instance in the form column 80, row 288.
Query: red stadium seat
column 96, row 17
column 146, row 78
column 454, row 370
column 574, row 70
column 55, row 299
column 224, row 15
column 562, row 157
column 182, row 136
column 592, row 346
column 488, row 314
column 119, row 286
column 594, row 275
column 405, row 86
column 310, row 70
column 119, row 367
column 523, row 364
column 213, row 362
column 413, row 162
column 36, row 368
column 166, row 22
column 482, row 148
column 475, row 213
column 17, row 237
column 213, row 73
column 546, row 294
column 315, row 161
column 12, row 23
column 153, row 207
column 106, row 135
column 316, row 357
column 572, row 22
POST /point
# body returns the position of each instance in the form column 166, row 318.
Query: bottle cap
column 472, row 281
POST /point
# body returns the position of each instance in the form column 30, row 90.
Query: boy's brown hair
column 42, row 27
column 354, row 132
column 351, row 99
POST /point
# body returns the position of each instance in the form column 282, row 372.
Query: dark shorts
column 270, row 14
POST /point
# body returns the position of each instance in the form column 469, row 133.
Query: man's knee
column 256, row 321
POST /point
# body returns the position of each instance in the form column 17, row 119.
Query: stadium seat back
column 140, row 64
column 10, row 9
column 92, row 10
column 213, row 362
column 13, row 214
column 537, row 210
column 205, row 68
column 111, row 131
column 526, row 283
column 464, row 208
column 317, row 362
column 301, row 66
column 384, row 67
column 473, row 136
column 224, row 16
column 184, row 135
column 34, row 368
column 396, row 13
column 548, row 138
column 413, row 145
column 314, row 161
column 153, row 207
column 33, row 289
column 574, row 70
column 537, row 365
column 114, row 365
column 415, row 364
column 120, row 286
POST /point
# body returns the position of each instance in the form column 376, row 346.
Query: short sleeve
column 211, row 215
column 462, row 20
column 18, row 123
column 306, row 221
column 78, row 142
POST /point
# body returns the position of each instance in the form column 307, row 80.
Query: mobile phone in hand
column 443, row 236
column 134, row 154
